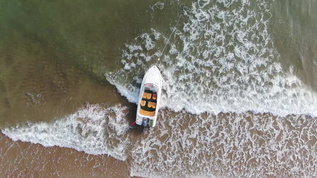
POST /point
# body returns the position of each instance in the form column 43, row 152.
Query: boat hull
column 149, row 98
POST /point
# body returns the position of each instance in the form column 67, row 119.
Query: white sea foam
column 93, row 129
column 185, row 145
column 221, row 59
column 159, row 5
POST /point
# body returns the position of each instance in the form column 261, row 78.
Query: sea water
column 239, row 93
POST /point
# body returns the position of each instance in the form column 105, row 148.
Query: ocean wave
column 93, row 129
column 221, row 59
column 186, row 145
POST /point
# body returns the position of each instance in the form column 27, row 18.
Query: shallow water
column 52, row 54
column 293, row 27
column 22, row 159
column 239, row 92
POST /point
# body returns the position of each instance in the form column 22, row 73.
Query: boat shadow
column 134, row 129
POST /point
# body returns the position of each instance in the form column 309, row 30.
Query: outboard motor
column 145, row 122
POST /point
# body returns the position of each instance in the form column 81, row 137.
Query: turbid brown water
column 19, row 159
column 239, row 93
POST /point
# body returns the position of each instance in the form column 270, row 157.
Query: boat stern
column 145, row 121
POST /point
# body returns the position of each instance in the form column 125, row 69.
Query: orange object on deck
column 154, row 96
column 144, row 95
column 143, row 102
column 147, row 113
column 148, row 95
column 153, row 105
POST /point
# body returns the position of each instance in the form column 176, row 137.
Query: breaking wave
column 186, row 145
column 92, row 129
column 221, row 59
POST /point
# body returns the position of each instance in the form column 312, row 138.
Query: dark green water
column 294, row 27
column 50, row 50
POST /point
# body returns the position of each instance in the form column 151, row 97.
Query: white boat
column 149, row 98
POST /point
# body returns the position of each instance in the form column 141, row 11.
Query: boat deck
column 148, row 103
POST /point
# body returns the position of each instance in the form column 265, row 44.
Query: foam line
column 93, row 129
column 185, row 145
